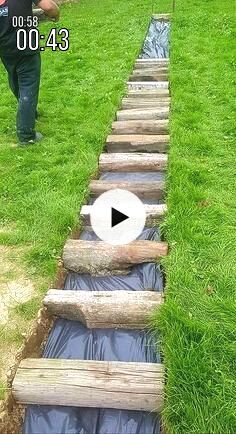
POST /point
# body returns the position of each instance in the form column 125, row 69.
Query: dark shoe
column 38, row 138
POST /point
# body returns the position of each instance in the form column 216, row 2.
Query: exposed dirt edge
column 11, row 414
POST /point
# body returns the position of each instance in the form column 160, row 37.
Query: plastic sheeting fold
column 72, row 340
column 156, row 44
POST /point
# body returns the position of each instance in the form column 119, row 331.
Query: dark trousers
column 24, row 79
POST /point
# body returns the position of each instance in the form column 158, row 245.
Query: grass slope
column 42, row 187
column 198, row 320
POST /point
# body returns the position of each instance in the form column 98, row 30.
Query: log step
column 161, row 17
column 151, row 63
column 154, row 214
column 139, row 103
column 138, row 162
column 100, row 258
column 137, row 143
column 149, row 76
column 147, row 85
column 148, row 93
column 143, row 114
column 158, row 69
column 104, row 309
column 141, row 127
column 88, row 383
column 144, row 190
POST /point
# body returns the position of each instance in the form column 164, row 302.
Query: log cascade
column 138, row 142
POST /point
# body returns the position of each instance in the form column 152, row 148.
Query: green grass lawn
column 42, row 187
column 198, row 320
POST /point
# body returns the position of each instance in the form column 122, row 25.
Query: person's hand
column 50, row 8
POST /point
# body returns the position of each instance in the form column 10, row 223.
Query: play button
column 117, row 217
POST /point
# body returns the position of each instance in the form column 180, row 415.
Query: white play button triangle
column 118, row 216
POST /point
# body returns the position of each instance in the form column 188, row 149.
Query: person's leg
column 10, row 63
column 28, row 72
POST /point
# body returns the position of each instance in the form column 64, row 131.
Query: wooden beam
column 104, row 309
column 148, row 93
column 162, row 17
column 139, row 103
column 153, row 60
column 144, row 190
column 154, row 214
column 141, row 127
column 127, row 162
column 143, row 114
column 98, row 257
column 147, row 85
column 149, row 76
column 157, row 69
column 137, row 143
column 151, row 63
column 88, row 383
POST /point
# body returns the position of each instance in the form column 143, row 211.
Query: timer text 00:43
column 57, row 39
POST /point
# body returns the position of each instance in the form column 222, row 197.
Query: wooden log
column 149, row 76
column 141, row 127
column 154, row 214
column 89, row 383
column 143, row 114
column 137, row 143
column 139, row 103
column 104, row 309
column 40, row 14
column 158, row 69
column 161, row 17
column 147, row 85
column 151, row 63
column 148, row 93
column 144, row 190
column 100, row 258
column 127, row 162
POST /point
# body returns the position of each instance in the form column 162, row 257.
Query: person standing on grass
column 23, row 67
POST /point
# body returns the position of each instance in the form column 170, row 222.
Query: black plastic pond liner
column 72, row 340
column 156, row 44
